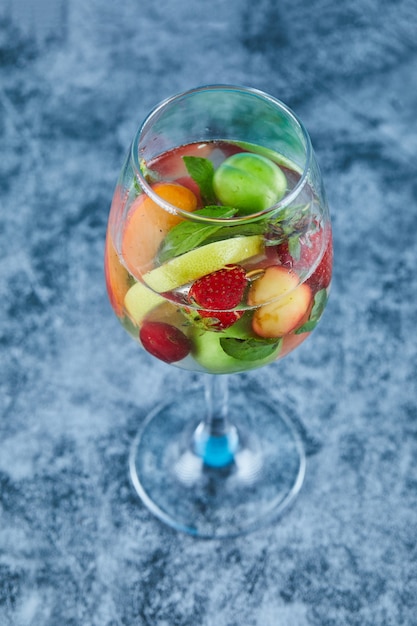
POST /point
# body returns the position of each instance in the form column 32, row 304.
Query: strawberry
column 219, row 292
column 321, row 277
column 280, row 253
column 164, row 341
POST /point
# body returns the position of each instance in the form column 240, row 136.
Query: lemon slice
column 201, row 261
column 140, row 300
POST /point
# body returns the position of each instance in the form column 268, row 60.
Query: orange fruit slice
column 147, row 224
column 117, row 277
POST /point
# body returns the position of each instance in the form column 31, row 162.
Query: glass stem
column 215, row 438
column 216, row 390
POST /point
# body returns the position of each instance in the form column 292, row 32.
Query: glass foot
column 217, row 487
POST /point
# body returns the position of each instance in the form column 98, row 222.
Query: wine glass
column 218, row 260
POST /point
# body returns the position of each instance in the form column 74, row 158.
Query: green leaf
column 251, row 349
column 307, row 327
column 189, row 235
column 320, row 301
column 291, row 222
column 294, row 247
column 239, row 230
column 216, row 212
column 202, row 171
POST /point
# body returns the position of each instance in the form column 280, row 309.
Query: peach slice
column 147, row 225
column 283, row 303
column 117, row 277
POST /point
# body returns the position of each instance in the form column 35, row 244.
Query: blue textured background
column 76, row 545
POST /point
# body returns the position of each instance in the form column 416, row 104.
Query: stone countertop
column 77, row 547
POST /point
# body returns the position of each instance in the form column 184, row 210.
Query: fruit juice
column 235, row 286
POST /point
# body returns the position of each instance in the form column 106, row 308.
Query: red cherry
column 164, row 341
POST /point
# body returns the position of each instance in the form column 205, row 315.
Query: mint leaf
column 239, row 230
column 216, row 212
column 307, row 327
column 320, row 301
column 189, row 235
column 251, row 349
column 290, row 223
column 294, row 247
column 202, row 171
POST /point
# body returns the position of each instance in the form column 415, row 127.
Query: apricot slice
column 117, row 277
column 283, row 303
column 147, row 224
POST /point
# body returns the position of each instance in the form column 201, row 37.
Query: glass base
column 224, row 486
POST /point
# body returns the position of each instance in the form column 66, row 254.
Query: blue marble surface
column 76, row 545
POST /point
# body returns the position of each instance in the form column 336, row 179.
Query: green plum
column 249, row 182
column 208, row 351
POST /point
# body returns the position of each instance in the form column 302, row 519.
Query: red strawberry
column 321, row 277
column 219, row 292
column 280, row 253
column 164, row 341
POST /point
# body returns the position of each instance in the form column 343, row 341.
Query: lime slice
column 201, row 261
column 140, row 300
